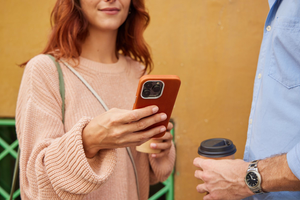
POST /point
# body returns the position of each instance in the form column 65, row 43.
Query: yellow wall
column 213, row 45
column 24, row 28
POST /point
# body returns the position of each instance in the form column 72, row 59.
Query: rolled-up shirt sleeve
column 293, row 159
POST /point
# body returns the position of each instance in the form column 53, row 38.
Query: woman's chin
column 110, row 27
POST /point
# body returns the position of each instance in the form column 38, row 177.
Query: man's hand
column 223, row 179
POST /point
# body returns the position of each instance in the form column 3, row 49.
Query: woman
column 85, row 157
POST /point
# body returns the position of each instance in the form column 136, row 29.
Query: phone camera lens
column 148, row 85
column 146, row 93
column 156, row 88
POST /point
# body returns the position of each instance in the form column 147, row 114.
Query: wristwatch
column 253, row 178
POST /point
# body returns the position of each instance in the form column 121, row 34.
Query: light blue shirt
column 274, row 122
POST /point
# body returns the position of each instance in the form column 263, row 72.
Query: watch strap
column 253, row 167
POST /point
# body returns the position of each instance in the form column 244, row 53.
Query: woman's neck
column 100, row 46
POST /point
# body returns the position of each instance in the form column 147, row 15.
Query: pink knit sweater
column 53, row 163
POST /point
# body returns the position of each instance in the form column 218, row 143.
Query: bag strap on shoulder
column 16, row 171
column 61, row 86
column 62, row 94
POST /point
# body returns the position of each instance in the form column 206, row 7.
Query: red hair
column 70, row 29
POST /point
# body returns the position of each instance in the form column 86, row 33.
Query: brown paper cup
column 145, row 147
column 217, row 149
column 221, row 158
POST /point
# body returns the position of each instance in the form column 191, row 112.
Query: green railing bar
column 166, row 182
column 159, row 193
column 8, row 148
column 170, row 193
column 7, row 122
column 170, row 180
column 16, row 194
column 172, row 132
column 4, row 193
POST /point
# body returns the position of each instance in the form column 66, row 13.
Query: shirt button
column 269, row 28
column 259, row 76
column 250, row 121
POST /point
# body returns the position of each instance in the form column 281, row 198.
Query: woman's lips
column 110, row 11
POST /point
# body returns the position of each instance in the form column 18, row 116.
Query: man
column 274, row 125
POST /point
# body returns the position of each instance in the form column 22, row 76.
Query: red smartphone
column 159, row 90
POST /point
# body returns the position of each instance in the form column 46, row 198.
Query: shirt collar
column 271, row 3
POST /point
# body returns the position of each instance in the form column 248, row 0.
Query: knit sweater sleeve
column 53, row 164
column 161, row 168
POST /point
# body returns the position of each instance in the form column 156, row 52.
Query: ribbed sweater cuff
column 68, row 168
column 162, row 167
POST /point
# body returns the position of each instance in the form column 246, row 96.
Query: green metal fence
column 8, row 155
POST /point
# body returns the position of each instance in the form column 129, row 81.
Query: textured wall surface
column 24, row 28
column 213, row 45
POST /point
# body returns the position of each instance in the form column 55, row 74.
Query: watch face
column 251, row 179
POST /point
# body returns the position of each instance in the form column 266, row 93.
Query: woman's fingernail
column 153, row 155
column 155, row 109
column 163, row 129
column 153, row 145
column 163, row 117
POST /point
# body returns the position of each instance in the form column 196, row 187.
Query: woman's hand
column 165, row 145
column 118, row 128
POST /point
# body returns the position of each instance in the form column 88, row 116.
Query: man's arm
column 277, row 176
column 224, row 179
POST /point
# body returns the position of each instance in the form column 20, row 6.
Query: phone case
column 165, row 101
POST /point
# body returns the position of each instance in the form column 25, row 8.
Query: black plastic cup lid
column 216, row 148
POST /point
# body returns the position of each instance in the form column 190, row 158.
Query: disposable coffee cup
column 145, row 147
column 217, row 148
